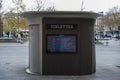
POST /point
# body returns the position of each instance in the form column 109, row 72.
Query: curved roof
column 77, row 14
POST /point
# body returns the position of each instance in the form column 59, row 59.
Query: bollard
column 107, row 42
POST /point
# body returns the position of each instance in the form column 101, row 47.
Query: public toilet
column 61, row 42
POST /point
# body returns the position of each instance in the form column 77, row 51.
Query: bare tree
column 1, row 4
column 114, row 16
column 39, row 5
column 50, row 8
column 107, row 22
column 19, row 6
column 42, row 5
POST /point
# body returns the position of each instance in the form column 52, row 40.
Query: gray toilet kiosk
column 61, row 42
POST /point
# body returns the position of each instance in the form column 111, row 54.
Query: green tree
column 19, row 8
column 11, row 24
column 8, row 24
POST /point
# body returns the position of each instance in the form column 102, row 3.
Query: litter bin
column 61, row 42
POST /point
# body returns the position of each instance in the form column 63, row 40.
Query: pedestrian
column 14, row 36
column 21, row 34
column 7, row 34
column 19, row 39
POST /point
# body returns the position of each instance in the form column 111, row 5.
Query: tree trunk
column 1, row 27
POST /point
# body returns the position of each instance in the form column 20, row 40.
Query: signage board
column 61, row 43
column 61, row 26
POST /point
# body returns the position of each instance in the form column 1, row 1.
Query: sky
column 75, row 5
column 89, row 5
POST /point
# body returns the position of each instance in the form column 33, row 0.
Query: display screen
column 61, row 43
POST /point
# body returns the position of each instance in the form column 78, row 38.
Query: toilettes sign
column 61, row 26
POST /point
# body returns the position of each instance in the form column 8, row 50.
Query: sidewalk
column 111, row 42
column 15, row 44
column 14, row 60
column 5, row 41
column 114, row 43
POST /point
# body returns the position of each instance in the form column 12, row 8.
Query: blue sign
column 61, row 43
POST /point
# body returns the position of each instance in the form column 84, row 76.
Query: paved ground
column 14, row 60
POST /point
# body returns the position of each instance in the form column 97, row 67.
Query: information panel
column 61, row 43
